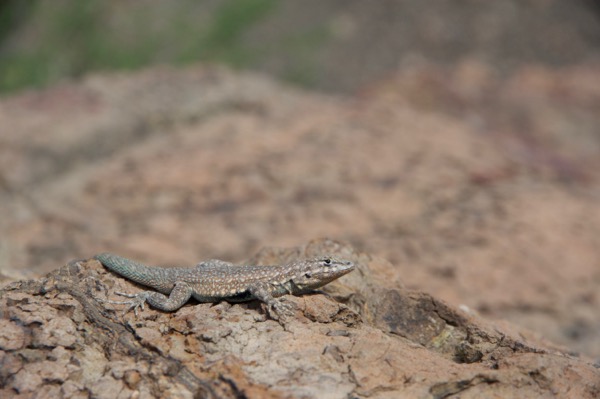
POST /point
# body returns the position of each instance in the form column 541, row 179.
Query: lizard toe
column 126, row 294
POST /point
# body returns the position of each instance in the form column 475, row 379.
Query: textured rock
column 363, row 340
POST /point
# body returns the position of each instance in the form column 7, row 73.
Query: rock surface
column 365, row 339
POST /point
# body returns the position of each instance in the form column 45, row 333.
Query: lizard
column 216, row 280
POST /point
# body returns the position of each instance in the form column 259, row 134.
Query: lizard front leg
column 179, row 295
column 277, row 308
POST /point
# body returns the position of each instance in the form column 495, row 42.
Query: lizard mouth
column 344, row 268
column 348, row 266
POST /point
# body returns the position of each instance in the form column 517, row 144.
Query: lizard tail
column 135, row 271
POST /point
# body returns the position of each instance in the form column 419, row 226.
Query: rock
column 359, row 338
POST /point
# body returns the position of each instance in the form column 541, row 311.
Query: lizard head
column 317, row 272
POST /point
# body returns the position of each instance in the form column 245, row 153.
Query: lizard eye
column 327, row 261
column 307, row 275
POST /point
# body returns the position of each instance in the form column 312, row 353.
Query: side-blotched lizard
column 216, row 280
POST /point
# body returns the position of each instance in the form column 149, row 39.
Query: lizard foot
column 281, row 310
column 137, row 301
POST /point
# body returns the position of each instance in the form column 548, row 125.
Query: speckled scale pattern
column 214, row 280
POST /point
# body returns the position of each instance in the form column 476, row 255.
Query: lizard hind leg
column 179, row 295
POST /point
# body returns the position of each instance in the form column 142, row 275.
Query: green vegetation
column 43, row 41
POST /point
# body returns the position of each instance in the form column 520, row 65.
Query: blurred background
column 334, row 45
column 459, row 140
